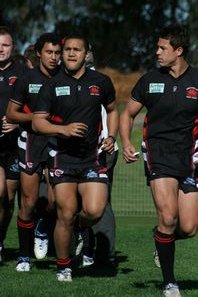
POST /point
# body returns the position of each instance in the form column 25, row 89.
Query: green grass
column 130, row 194
column 136, row 275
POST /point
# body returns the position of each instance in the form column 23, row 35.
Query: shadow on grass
column 10, row 254
column 188, row 284
column 100, row 269
column 183, row 284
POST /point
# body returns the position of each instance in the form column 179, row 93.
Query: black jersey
column 26, row 91
column 69, row 100
column 172, row 109
column 8, row 77
column 32, row 146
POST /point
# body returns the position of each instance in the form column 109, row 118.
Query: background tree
column 122, row 32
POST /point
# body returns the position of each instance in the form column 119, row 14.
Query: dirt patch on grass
column 123, row 83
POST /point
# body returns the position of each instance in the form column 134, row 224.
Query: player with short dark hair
column 170, row 94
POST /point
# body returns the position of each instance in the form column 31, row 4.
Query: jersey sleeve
column 139, row 91
column 20, row 90
column 44, row 102
column 109, row 91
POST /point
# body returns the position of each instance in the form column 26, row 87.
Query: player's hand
column 73, row 129
column 8, row 127
column 108, row 145
column 129, row 154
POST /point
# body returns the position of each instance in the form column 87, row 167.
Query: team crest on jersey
column 34, row 88
column 58, row 172
column 1, row 78
column 29, row 164
column 62, row 91
column 191, row 93
column 12, row 80
column 94, row 90
column 156, row 88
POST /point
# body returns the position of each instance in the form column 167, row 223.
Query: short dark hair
column 177, row 35
column 77, row 36
column 46, row 37
column 6, row 30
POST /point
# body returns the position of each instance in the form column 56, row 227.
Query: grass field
column 130, row 195
column 136, row 275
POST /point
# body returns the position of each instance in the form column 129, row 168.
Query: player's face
column 49, row 56
column 167, row 56
column 6, row 47
column 74, row 55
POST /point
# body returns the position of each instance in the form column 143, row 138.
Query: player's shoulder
column 17, row 69
column 193, row 70
column 155, row 75
column 97, row 75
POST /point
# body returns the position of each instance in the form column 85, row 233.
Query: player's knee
column 67, row 218
column 189, row 229
column 168, row 221
column 93, row 214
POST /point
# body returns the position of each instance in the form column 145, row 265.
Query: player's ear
column 89, row 57
column 180, row 51
column 38, row 54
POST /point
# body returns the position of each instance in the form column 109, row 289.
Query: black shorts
column 186, row 184
column 77, row 175
column 32, row 153
column 31, row 168
column 9, row 161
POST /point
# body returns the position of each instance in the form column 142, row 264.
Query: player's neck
column 5, row 64
column 178, row 69
column 76, row 73
column 47, row 72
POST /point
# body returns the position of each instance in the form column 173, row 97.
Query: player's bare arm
column 41, row 124
column 125, row 129
column 14, row 114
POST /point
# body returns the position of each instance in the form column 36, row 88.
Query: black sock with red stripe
column 25, row 235
column 165, row 245
column 63, row 263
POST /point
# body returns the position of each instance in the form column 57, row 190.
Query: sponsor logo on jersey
column 191, row 93
column 94, row 90
column 12, row 80
column 103, row 175
column 92, row 174
column 156, row 88
column 62, row 91
column 34, row 88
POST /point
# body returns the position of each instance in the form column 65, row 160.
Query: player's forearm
column 18, row 117
column 125, row 129
column 43, row 126
column 112, row 123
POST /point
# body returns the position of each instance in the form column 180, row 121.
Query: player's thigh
column 165, row 194
column 50, row 192
column 12, row 186
column 188, row 211
column 66, row 199
column 29, row 185
column 2, row 182
column 94, row 196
